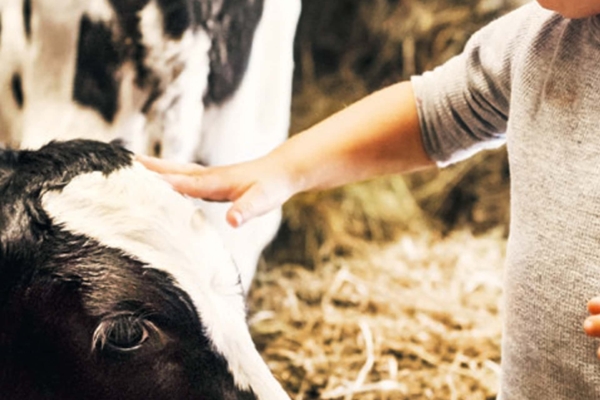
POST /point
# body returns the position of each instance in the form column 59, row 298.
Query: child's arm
column 378, row 135
column 592, row 323
column 463, row 107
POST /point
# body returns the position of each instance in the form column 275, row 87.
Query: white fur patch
column 136, row 211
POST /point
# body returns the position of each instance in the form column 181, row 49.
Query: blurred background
column 387, row 289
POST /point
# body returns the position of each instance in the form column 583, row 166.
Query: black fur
column 232, row 35
column 16, row 85
column 177, row 16
column 128, row 19
column 58, row 289
column 98, row 59
column 27, row 18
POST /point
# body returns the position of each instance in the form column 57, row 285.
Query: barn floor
column 417, row 318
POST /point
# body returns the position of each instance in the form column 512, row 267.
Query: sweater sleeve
column 464, row 104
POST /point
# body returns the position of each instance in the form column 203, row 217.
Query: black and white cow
column 113, row 286
column 191, row 80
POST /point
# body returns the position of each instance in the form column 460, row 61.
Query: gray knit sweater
column 532, row 79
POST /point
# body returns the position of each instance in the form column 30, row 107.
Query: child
column 530, row 79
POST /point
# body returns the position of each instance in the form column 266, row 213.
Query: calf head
column 112, row 286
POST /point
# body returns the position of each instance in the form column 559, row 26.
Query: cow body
column 205, row 81
column 113, row 286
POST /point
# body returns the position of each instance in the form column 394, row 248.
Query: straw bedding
column 417, row 319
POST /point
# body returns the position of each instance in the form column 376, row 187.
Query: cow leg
column 175, row 118
column 253, row 122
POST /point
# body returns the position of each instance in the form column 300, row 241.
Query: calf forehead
column 26, row 174
column 135, row 210
column 84, row 282
column 31, row 246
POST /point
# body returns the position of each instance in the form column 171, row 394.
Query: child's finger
column 234, row 218
column 591, row 326
column 252, row 204
column 255, row 202
column 168, row 167
column 202, row 186
column 594, row 306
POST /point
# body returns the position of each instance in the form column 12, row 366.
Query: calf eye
column 122, row 334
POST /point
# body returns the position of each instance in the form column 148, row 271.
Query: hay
column 418, row 319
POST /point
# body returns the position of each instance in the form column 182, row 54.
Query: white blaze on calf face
column 137, row 212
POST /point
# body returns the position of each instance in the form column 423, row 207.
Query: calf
column 112, row 286
column 207, row 81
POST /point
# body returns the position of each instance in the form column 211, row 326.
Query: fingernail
column 237, row 218
column 588, row 325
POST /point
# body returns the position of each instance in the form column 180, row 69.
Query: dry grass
column 418, row 319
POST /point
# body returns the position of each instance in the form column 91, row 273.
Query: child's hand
column 254, row 187
column 592, row 323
